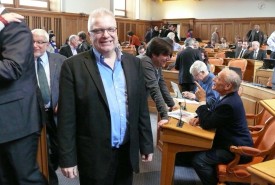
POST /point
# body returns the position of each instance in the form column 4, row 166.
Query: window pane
column 7, row 1
column 119, row 4
column 41, row 4
column 119, row 12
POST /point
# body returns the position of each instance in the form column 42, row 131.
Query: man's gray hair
column 41, row 32
column 98, row 13
column 189, row 42
column 233, row 78
column 198, row 66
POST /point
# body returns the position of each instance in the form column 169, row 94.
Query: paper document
column 187, row 101
column 184, row 115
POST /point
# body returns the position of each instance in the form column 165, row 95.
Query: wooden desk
column 262, row 173
column 251, row 95
column 185, row 139
column 42, row 153
column 190, row 107
column 262, row 75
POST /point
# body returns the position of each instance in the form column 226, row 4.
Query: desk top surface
column 264, row 170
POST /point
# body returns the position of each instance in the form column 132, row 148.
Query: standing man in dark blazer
column 183, row 63
column 20, row 113
column 228, row 118
column 51, row 63
column 256, row 35
column 103, row 118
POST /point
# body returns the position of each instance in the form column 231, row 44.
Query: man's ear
column 228, row 86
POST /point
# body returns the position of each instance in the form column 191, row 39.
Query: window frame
column 121, row 10
column 16, row 4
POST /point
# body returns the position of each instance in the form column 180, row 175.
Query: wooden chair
column 209, row 50
column 215, row 61
column 220, row 55
column 212, row 68
column 266, row 112
column 263, row 150
column 240, row 63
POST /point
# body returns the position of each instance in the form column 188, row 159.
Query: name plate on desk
column 187, row 135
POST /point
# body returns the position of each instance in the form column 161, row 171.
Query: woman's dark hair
column 130, row 33
column 159, row 46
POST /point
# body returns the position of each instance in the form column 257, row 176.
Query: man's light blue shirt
column 114, row 83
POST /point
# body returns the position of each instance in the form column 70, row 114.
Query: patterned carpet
column 150, row 172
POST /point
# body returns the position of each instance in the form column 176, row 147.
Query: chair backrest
column 212, row 68
column 266, row 141
column 220, row 55
column 209, row 49
column 240, row 63
column 215, row 61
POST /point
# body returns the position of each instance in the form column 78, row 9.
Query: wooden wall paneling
column 133, row 28
column 270, row 27
column 205, row 32
column 57, row 27
column 70, row 25
column 184, row 27
column 228, row 30
column 121, row 32
column 141, row 29
column 36, row 22
column 47, row 24
column 244, row 27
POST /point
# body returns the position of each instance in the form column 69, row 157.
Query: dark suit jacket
column 252, row 35
column 260, row 56
column 84, row 121
column 66, row 51
column 55, row 62
column 228, row 118
column 183, row 63
column 245, row 54
column 20, row 114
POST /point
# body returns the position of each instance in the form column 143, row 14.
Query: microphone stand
column 180, row 122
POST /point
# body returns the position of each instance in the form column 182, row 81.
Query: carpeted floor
column 150, row 172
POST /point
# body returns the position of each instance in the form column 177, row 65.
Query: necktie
column 241, row 54
column 43, row 83
column 255, row 55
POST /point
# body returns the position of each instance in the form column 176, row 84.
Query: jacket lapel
column 90, row 63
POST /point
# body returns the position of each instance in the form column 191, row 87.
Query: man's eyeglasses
column 101, row 31
column 39, row 42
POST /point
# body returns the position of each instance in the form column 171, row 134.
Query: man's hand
column 200, row 93
column 70, row 172
column 162, row 122
column 189, row 95
column 146, row 158
column 12, row 17
column 194, row 121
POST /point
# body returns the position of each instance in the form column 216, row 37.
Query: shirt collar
column 98, row 55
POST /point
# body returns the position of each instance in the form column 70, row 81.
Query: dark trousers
column 205, row 163
column 119, row 173
column 18, row 164
column 51, row 130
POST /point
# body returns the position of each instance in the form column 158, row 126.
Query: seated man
column 205, row 79
column 228, row 118
column 257, row 53
column 243, row 51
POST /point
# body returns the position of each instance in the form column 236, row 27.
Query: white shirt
column 271, row 42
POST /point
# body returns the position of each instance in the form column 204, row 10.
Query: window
column 119, row 8
column 43, row 4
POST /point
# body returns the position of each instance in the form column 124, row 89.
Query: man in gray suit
column 20, row 113
column 51, row 66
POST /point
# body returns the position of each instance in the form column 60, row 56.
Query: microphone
column 184, row 107
column 180, row 122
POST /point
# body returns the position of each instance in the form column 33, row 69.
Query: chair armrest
column 255, row 128
column 252, row 116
